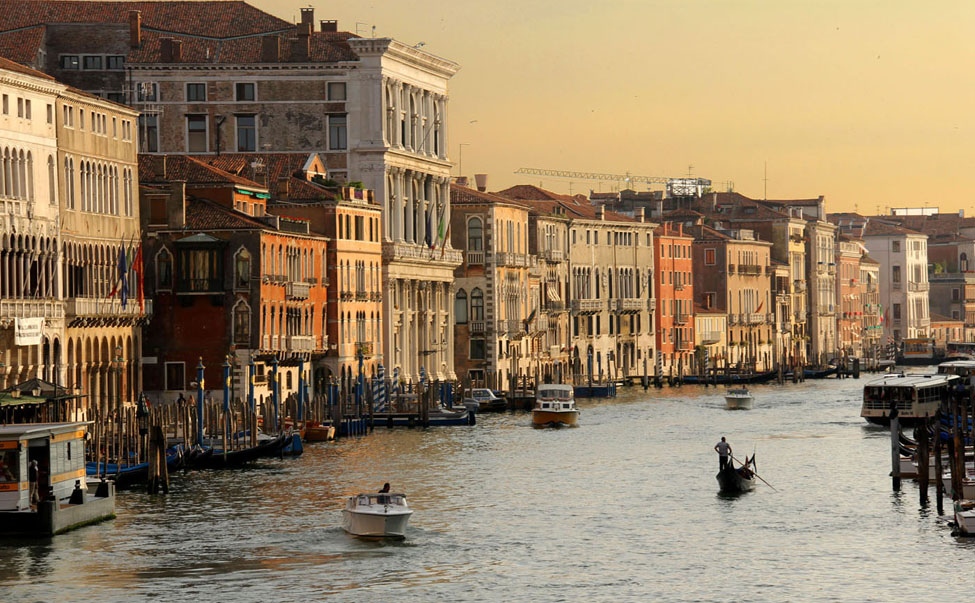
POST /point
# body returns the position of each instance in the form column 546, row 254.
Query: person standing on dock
column 723, row 448
column 32, row 478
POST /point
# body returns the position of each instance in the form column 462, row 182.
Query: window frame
column 328, row 91
column 237, row 128
column 237, row 89
column 186, row 92
column 190, row 117
column 76, row 60
column 166, row 366
column 342, row 144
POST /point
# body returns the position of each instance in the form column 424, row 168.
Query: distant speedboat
column 555, row 406
column 738, row 399
column 380, row 515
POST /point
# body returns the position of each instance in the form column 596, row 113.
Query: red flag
column 137, row 264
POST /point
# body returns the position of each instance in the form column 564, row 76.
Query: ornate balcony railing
column 476, row 326
column 629, row 305
column 475, row 257
column 300, row 343
column 106, row 308
column 516, row 260
column 35, row 308
column 587, row 306
column 552, row 255
column 297, row 290
column 710, row 337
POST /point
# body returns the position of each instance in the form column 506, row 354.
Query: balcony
column 750, row 269
column 731, row 268
column 476, row 327
column 629, row 305
column 270, row 342
column 800, row 285
column 401, row 251
column 362, row 295
column 515, row 327
column 652, row 305
column 686, row 345
column 475, row 258
column 732, row 320
column 554, row 306
column 297, row 290
column 552, row 255
column 918, row 286
column 710, row 337
column 364, row 348
column 346, row 295
column 300, row 343
column 36, row 308
column 680, row 318
column 587, row 306
column 93, row 312
column 514, row 260
column 753, row 318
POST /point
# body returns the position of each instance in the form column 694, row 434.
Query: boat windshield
column 380, row 498
column 555, row 394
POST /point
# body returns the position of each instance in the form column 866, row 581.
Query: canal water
column 623, row 507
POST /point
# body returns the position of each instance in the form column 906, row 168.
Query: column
column 395, row 206
column 445, row 199
column 449, row 352
column 421, row 210
column 409, row 208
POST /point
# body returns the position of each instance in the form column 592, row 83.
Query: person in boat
column 384, row 500
column 385, row 488
column 744, row 471
column 723, row 448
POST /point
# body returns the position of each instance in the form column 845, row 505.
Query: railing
column 300, row 343
column 475, row 257
column 199, row 285
column 362, row 295
column 515, row 327
column 680, row 318
column 296, row 290
column 554, row 351
column 587, row 306
column 400, row 251
column 477, row 326
column 555, row 306
column 269, row 342
column 502, row 258
column 34, row 308
column 87, row 306
column 686, row 345
column 710, row 337
column 918, row 286
column 924, row 322
column 732, row 320
column 731, row 268
column 346, row 295
column 629, row 304
column 750, row 269
column 552, row 255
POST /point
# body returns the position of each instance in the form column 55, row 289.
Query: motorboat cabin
column 554, row 406
column 738, row 399
column 42, row 480
column 914, row 396
column 379, row 515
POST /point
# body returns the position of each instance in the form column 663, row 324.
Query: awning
column 552, row 294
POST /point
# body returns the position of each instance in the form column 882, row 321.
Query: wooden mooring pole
column 895, row 460
column 938, row 469
column 923, row 473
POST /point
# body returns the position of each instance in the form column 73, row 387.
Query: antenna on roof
column 765, row 180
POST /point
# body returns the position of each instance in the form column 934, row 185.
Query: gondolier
column 723, row 448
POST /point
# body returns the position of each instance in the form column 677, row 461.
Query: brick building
column 674, row 290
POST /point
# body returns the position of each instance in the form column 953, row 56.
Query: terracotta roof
column 300, row 189
column 464, row 194
column 700, row 232
column 866, row 259
column 202, row 214
column 212, row 19
column 22, row 45
column 878, row 228
column 323, row 47
column 277, row 165
column 190, row 169
column 935, row 317
column 575, row 206
column 17, row 67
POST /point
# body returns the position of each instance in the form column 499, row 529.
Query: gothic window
column 460, row 307
column 242, row 269
column 477, row 305
column 242, row 323
column 164, row 270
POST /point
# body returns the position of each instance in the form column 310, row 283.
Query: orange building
column 674, row 286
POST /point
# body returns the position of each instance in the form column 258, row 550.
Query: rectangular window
column 709, row 257
column 149, row 133
column 175, row 376
column 246, row 133
column 69, row 61
column 27, row 109
column 196, row 93
column 196, row 133
column 50, row 114
column 896, row 246
column 896, row 274
column 477, row 349
column 6, row 104
column 897, row 311
column 92, row 62
column 147, row 92
column 245, row 92
column 115, row 62
column 114, row 127
column 336, row 91
column 20, row 107
column 337, row 133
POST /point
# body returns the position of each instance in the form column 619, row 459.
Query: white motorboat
column 482, row 399
column 380, row 515
column 965, row 516
column 555, row 406
column 738, row 399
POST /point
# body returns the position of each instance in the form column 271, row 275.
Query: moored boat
column 738, row 399
column 965, row 516
column 380, row 515
column 482, row 399
column 914, row 396
column 733, row 480
column 555, row 406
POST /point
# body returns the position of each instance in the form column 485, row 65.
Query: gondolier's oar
column 756, row 474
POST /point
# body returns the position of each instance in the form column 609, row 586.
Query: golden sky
column 869, row 103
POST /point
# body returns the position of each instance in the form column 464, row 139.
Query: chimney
column 177, row 46
column 159, row 167
column 461, row 181
column 284, row 187
column 600, row 212
column 300, row 51
column 135, row 29
column 329, row 25
column 481, row 181
column 166, row 50
column 307, row 16
column 640, row 214
column 270, row 49
column 304, row 29
column 176, row 205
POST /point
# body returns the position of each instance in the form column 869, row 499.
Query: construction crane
column 676, row 187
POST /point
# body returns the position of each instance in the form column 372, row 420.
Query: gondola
column 736, row 481
column 128, row 475
column 822, row 373
column 235, row 458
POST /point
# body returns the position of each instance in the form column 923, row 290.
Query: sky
column 869, row 103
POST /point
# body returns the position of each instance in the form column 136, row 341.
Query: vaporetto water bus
column 914, row 396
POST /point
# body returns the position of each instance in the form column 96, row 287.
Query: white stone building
column 903, row 258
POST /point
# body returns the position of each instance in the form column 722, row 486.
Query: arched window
column 164, row 270
column 477, row 305
column 475, row 234
column 242, row 323
column 460, row 307
column 242, row 269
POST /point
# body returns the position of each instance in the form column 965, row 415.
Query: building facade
column 848, row 290
column 674, row 287
column 902, row 255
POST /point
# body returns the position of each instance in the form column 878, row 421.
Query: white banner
column 27, row 331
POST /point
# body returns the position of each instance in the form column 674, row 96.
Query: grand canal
column 623, row 507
